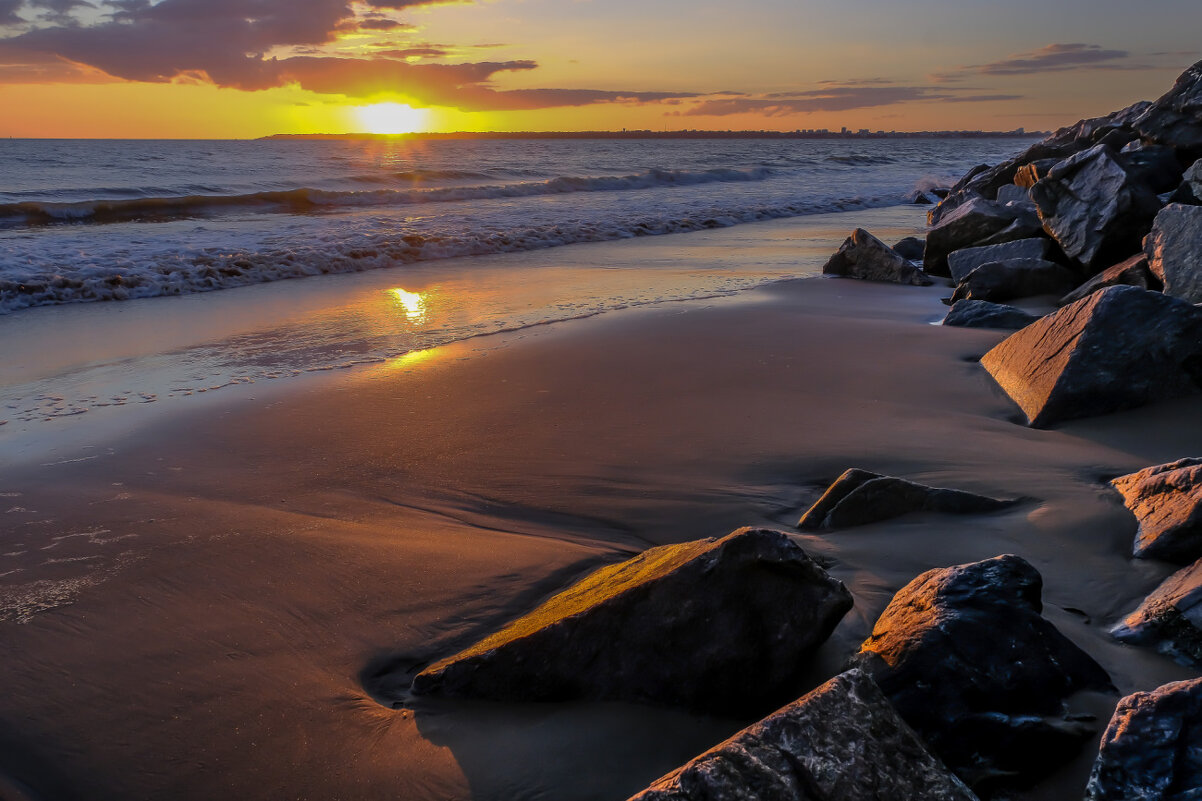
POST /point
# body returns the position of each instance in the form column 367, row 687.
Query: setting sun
column 391, row 118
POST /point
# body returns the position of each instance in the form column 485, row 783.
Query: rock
column 974, row 223
column 1167, row 502
column 1094, row 209
column 967, row 660
column 864, row 256
column 1170, row 619
column 1176, row 118
column 1030, row 174
column 841, row 742
column 962, row 262
column 859, row 497
column 1174, row 250
column 1154, row 166
column 983, row 314
column 1132, row 272
column 1014, row 278
column 911, row 248
column 921, row 199
column 724, row 626
column 1150, row 749
column 1119, row 348
column 1013, row 194
column 1190, row 190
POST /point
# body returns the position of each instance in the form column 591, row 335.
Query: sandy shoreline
column 224, row 605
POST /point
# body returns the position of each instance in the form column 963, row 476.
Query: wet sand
column 228, row 602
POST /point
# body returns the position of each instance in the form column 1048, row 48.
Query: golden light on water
column 391, row 118
column 411, row 304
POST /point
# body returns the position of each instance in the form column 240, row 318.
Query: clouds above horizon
column 1059, row 57
column 854, row 95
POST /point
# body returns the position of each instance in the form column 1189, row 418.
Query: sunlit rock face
column 1167, row 502
column 1129, row 272
column 718, row 625
column 1151, row 749
column 1170, row 619
column 965, row 656
column 841, row 742
column 1119, row 348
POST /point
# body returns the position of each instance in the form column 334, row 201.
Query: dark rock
column 1167, row 502
column 940, row 191
column 720, row 625
column 1119, row 348
column 912, row 248
column 1094, row 209
column 841, row 742
column 1190, row 190
column 975, row 223
column 962, row 262
column 1174, row 249
column 1176, row 118
column 859, row 497
column 1150, row 749
column 864, row 256
column 1014, row 278
column 1013, row 194
column 1154, row 166
column 1132, row 272
column 921, row 199
column 1170, row 619
column 1030, row 174
column 967, row 660
column 983, row 314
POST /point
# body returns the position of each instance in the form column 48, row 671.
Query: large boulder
column 1150, row 751
column 859, row 497
column 983, row 314
column 1167, row 502
column 967, row 660
column 1154, row 166
column 962, row 262
column 1174, row 251
column 1014, row 278
column 1094, row 209
column 720, row 625
column 1030, row 174
column 864, row 256
column 841, row 742
column 1119, row 348
column 975, row 223
column 1170, row 619
column 1190, row 190
column 1176, row 118
column 911, row 248
column 1132, row 272
column 1011, row 193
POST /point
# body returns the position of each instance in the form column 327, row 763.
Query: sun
column 391, row 118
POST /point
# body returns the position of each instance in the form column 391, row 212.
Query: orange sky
column 247, row 68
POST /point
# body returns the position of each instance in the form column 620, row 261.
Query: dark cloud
column 1050, row 58
column 8, row 12
column 831, row 98
column 381, row 24
column 423, row 51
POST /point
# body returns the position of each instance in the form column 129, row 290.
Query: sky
column 249, row 68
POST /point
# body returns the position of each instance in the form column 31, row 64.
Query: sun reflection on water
column 411, row 304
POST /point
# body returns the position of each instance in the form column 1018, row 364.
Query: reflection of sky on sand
column 89, row 361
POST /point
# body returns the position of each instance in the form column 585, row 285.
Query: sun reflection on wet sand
column 412, row 304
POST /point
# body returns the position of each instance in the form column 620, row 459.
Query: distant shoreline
column 645, row 134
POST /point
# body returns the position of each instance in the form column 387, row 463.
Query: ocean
column 447, row 241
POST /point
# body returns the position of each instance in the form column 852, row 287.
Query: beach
column 227, row 597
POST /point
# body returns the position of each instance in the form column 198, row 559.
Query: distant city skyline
column 251, row 68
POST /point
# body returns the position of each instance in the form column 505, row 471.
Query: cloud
column 1050, row 58
column 8, row 12
column 831, row 98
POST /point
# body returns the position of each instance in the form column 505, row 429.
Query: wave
column 308, row 199
column 207, row 271
column 861, row 160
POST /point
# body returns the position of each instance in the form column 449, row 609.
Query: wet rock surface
column 1167, row 501
column 983, row 314
column 1064, row 366
column 1170, row 618
column 841, row 742
column 1174, row 251
column 720, row 625
column 859, row 497
column 1151, row 749
column 864, row 256
column 967, row 660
